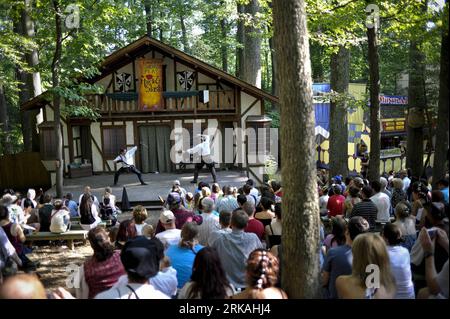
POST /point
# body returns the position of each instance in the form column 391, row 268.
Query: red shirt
column 336, row 205
column 256, row 227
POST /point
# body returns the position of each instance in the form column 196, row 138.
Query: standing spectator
column 88, row 212
column 250, row 197
column 103, row 269
column 235, row 247
column 216, row 193
column 351, row 200
column 339, row 259
column 384, row 184
column 253, row 192
column 262, row 275
column 60, row 218
column 419, row 200
column 273, row 231
column 381, row 201
column 443, row 187
column 71, row 205
column 337, row 236
column 208, row 279
column 398, row 194
column 241, row 199
column 406, row 224
column 141, row 259
column 228, row 201
column 224, row 221
column 171, row 235
column 182, row 255
column 253, row 225
column 400, row 262
column 45, row 213
column 323, row 201
column 336, row 202
column 367, row 249
column 366, row 208
column 210, row 221
column 405, row 179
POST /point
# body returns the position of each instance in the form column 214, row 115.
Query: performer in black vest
column 126, row 158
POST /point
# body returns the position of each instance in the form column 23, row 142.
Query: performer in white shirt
column 204, row 151
column 126, row 158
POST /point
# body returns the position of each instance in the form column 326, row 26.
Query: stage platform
column 147, row 195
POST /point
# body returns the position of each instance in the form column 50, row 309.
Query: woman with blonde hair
column 262, row 277
column 398, row 194
column 370, row 264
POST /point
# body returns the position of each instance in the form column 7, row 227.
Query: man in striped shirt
column 366, row 208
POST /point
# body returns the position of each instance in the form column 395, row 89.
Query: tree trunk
column 300, row 261
column 440, row 162
column 240, row 38
column 339, row 79
column 416, row 106
column 252, row 48
column 161, row 18
column 223, row 46
column 374, row 83
column 57, row 100
column 274, row 68
column 184, row 38
column 149, row 17
column 4, row 123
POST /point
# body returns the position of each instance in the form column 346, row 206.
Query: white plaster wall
column 212, row 130
column 129, row 133
column 96, row 156
column 246, row 101
column 49, row 113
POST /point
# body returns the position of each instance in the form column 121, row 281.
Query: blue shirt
column 73, row 208
column 182, row 260
column 338, row 262
column 445, row 192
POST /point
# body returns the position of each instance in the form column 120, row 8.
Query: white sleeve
column 131, row 152
column 116, row 159
column 195, row 149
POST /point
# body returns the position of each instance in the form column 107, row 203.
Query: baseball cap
column 176, row 182
column 140, row 256
column 173, row 198
column 9, row 199
column 166, row 217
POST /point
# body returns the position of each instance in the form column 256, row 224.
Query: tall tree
column 374, row 88
column 223, row 45
column 339, row 79
column 300, row 205
column 441, row 147
column 252, row 46
column 240, row 38
column 149, row 16
column 55, row 69
column 5, row 142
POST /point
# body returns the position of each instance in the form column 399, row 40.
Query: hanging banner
column 151, row 84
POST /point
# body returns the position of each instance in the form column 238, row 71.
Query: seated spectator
column 89, row 214
column 339, row 259
column 17, row 239
column 250, row 198
column 354, row 286
column 31, row 195
column 71, row 205
column 107, row 211
column 112, row 197
column 22, row 286
column 351, row 200
column 210, row 221
column 381, row 201
column 228, row 201
column 60, row 218
column 9, row 260
column 253, row 225
column 235, row 247
column 208, row 279
column 31, row 216
column 366, row 208
column 443, row 187
column 216, row 192
column 266, row 215
column 182, row 255
column 400, row 262
column 419, row 199
column 189, row 201
column 127, row 230
column 148, row 231
column 182, row 215
column 224, row 221
column 141, row 259
column 139, row 216
column 406, row 223
column 437, row 282
column 337, row 236
column 277, row 189
column 16, row 214
column 384, row 184
column 88, row 192
column 336, row 202
column 171, row 235
column 45, row 213
column 103, row 269
column 253, row 191
column 261, row 277
column 273, row 231
column 398, row 194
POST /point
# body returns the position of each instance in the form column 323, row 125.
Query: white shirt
column 6, row 248
column 210, row 223
column 127, row 159
column 381, row 200
column 442, row 280
column 201, row 149
column 16, row 214
column 406, row 183
column 169, row 237
column 139, row 228
column 143, row 291
column 96, row 202
column 401, row 269
column 323, row 202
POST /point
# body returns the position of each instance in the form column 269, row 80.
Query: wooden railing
column 172, row 102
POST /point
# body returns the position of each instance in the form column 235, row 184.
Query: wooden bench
column 70, row 236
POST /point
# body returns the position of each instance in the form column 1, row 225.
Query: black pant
column 209, row 163
column 131, row 169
